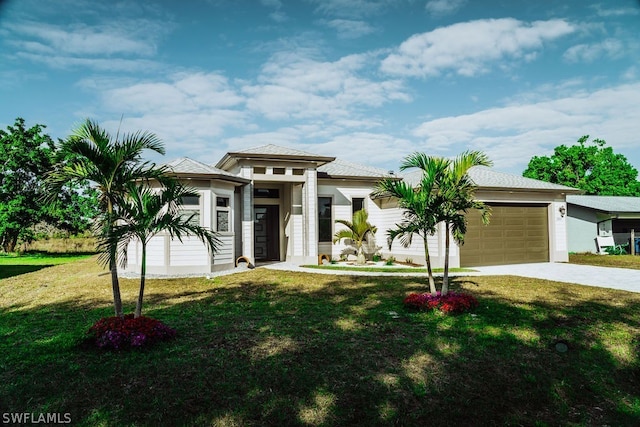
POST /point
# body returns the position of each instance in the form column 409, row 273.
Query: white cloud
column 443, row 7
column 609, row 48
column 293, row 85
column 350, row 29
column 512, row 135
column 99, row 64
column 605, row 11
column 351, row 8
column 471, row 48
column 133, row 37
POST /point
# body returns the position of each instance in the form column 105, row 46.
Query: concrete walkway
column 604, row 277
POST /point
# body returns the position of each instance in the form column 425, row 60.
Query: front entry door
column 267, row 233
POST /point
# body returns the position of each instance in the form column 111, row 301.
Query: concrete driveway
column 604, row 277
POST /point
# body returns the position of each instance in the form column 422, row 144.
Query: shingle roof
column 277, row 150
column 187, row 166
column 485, row 177
column 607, row 203
column 342, row 168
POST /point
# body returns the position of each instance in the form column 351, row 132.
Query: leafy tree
column 357, row 231
column 143, row 213
column 26, row 154
column 592, row 167
column 420, row 204
column 92, row 154
column 457, row 192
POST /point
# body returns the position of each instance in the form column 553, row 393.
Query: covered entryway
column 516, row 234
column 267, row 233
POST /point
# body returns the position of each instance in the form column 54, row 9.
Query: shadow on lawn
column 7, row 271
column 255, row 352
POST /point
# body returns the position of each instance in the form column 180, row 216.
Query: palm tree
column 143, row 213
column 458, row 195
column 91, row 154
column 420, row 204
column 357, row 231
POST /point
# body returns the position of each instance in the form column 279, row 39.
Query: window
column 357, row 204
column 279, row 171
column 266, row 193
column 222, row 214
column 297, row 171
column 325, row 225
column 191, row 209
column 259, row 170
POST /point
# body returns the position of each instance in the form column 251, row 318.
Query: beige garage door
column 516, row 234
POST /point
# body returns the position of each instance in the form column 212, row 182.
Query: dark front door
column 267, row 233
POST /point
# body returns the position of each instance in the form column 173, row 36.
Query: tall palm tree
column 90, row 153
column 458, row 197
column 420, row 204
column 357, row 231
column 143, row 213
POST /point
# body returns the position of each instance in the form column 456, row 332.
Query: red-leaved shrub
column 450, row 303
column 117, row 333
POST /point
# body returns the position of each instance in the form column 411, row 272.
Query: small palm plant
column 357, row 230
column 144, row 212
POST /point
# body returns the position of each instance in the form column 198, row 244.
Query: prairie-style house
column 273, row 203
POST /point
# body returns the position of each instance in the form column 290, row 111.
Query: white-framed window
column 223, row 214
column 325, row 220
column 191, row 209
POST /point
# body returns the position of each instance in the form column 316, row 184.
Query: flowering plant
column 116, row 333
column 450, row 303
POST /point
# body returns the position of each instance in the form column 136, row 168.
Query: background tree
column 357, row 231
column 420, row 204
column 26, row 154
column 91, row 154
column 143, row 213
column 592, row 167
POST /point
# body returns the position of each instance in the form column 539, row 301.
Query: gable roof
column 609, row 204
column 187, row 167
column 273, row 152
column 488, row 178
column 343, row 169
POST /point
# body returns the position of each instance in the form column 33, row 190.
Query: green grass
column 620, row 261
column 385, row 269
column 274, row 348
column 17, row 264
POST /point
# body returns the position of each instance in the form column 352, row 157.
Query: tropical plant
column 91, row 154
column 143, row 212
column 420, row 204
column 457, row 191
column 357, row 230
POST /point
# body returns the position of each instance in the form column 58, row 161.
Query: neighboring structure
column 591, row 216
column 273, row 203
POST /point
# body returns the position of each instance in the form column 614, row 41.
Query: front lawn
column 620, row 261
column 276, row 348
column 16, row 264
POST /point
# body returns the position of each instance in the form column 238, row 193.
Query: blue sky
column 369, row 81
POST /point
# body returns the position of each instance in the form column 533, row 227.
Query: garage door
column 516, row 234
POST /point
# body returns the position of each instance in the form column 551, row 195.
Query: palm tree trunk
column 432, row 283
column 445, row 276
column 143, row 273
column 115, row 285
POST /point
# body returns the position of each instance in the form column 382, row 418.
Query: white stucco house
column 273, row 203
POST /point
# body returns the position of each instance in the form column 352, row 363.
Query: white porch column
column 311, row 215
column 247, row 216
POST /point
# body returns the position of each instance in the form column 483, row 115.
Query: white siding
column 155, row 251
column 225, row 252
column 190, row 252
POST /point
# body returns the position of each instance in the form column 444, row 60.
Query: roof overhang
column 236, row 180
column 231, row 158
